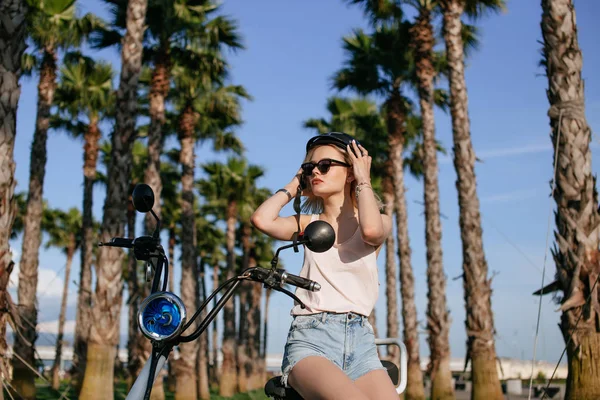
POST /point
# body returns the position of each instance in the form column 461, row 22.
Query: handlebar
column 279, row 277
column 118, row 242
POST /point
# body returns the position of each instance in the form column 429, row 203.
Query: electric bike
column 163, row 319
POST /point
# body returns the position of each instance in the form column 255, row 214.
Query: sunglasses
column 323, row 166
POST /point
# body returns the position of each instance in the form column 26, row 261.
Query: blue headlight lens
column 161, row 316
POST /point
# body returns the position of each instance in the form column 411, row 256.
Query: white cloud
column 49, row 283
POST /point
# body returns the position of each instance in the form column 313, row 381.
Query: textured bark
column 265, row 332
column 61, row 319
column 135, row 346
column 577, row 220
column 185, row 367
column 202, row 368
column 106, row 299
column 479, row 319
column 242, row 339
column 84, row 292
column 395, row 124
column 255, row 368
column 159, row 88
column 172, row 243
column 13, row 31
column 244, row 362
column 438, row 320
column 391, row 277
column 215, row 371
column 23, row 376
column 228, row 378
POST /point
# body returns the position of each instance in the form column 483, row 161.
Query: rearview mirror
column 319, row 236
column 143, row 198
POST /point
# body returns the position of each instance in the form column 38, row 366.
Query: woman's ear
column 350, row 177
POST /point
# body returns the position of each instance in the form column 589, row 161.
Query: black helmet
column 338, row 139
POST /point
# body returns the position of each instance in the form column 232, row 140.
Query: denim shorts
column 345, row 339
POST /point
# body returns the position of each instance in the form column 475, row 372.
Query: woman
column 330, row 351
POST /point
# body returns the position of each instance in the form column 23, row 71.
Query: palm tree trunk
column 438, row 320
column 391, row 279
column 159, row 88
column 171, row 250
column 577, row 219
column 106, row 308
column 395, row 122
column 202, row 368
column 214, row 379
column 23, row 376
column 254, row 373
column 61, row 319
column 13, row 31
column 135, row 354
column 228, row 381
column 172, row 243
column 243, row 361
column 185, row 367
column 481, row 348
column 242, row 340
column 84, row 292
column 265, row 333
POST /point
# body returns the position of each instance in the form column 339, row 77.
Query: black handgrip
column 118, row 242
column 299, row 281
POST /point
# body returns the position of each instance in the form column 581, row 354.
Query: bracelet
column 360, row 187
column 289, row 195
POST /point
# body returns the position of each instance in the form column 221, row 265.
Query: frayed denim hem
column 285, row 374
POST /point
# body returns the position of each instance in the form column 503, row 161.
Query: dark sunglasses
column 323, row 166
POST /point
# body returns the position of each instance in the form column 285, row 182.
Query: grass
column 45, row 392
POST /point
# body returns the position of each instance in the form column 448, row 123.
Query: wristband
column 360, row 187
column 289, row 195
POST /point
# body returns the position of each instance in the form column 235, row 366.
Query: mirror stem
column 156, row 233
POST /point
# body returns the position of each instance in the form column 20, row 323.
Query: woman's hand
column 361, row 165
column 295, row 182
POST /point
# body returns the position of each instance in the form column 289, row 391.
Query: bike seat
column 392, row 370
column 275, row 389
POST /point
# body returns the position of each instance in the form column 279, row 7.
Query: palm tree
column 226, row 184
column 249, row 299
column 14, row 23
column 138, row 347
column 84, row 98
column 576, row 199
column 64, row 231
column 106, row 307
column 481, row 348
column 438, row 320
column 261, row 250
column 211, row 243
column 380, row 63
column 206, row 108
column 170, row 28
column 53, row 26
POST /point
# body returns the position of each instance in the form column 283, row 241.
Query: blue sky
column 292, row 49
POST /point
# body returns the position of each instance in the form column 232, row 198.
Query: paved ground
column 464, row 395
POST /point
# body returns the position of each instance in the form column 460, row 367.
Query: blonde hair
column 314, row 204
